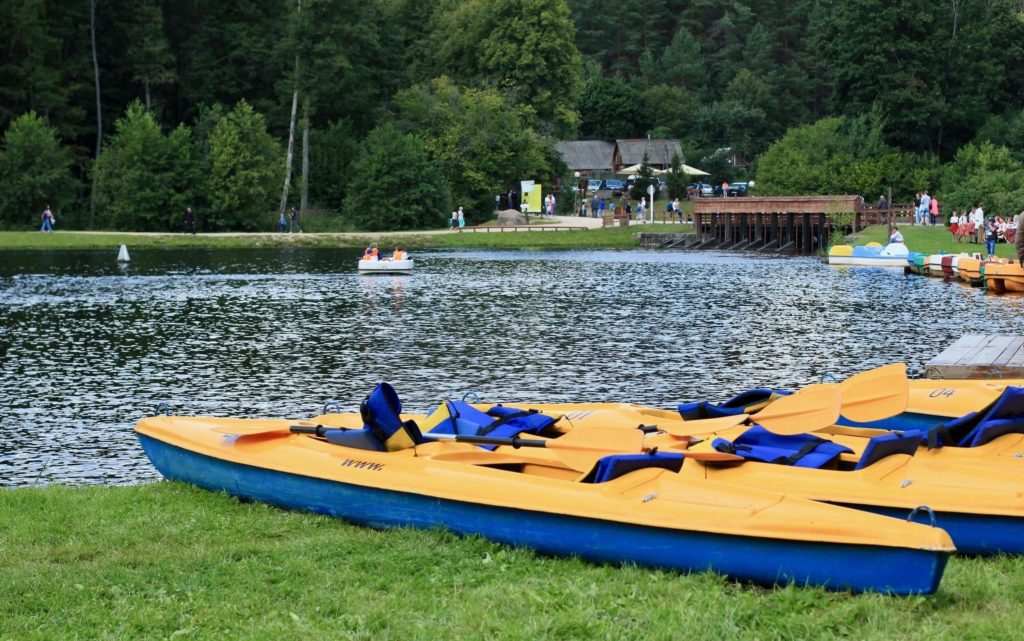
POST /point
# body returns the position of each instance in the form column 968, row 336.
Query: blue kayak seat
column 743, row 403
column 612, row 467
column 799, row 450
column 383, row 428
column 1005, row 415
column 884, row 445
column 499, row 421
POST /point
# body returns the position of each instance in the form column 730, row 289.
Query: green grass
column 167, row 561
column 929, row 240
column 614, row 237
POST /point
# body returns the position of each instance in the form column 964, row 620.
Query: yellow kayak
column 633, row 506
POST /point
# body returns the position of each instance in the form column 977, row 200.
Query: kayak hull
column 766, row 561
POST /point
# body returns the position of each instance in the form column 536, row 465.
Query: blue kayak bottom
column 764, row 561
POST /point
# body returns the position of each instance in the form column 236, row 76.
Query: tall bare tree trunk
column 291, row 129
column 99, row 110
column 146, row 83
column 304, row 200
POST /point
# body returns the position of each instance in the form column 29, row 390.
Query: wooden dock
column 980, row 356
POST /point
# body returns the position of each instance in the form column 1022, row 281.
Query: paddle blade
column 876, row 394
column 703, row 426
column 250, row 429
column 812, row 408
column 581, row 448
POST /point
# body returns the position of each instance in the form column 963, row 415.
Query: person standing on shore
column 295, row 221
column 190, row 221
column 461, row 218
column 282, row 223
column 47, row 220
column 978, row 218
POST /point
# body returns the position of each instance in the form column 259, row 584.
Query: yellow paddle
column 812, row 408
column 876, row 394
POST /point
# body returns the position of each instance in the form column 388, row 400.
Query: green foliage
column 144, row 178
column 519, row 46
column 34, row 172
column 611, row 109
column 245, row 166
column 676, row 180
column 832, row 156
column 1005, row 130
column 332, row 150
column 482, row 144
column 984, row 173
column 644, row 179
column 395, row 185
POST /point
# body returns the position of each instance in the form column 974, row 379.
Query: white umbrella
column 693, row 171
column 632, row 169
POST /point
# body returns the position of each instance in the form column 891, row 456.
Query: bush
column 395, row 185
column 34, row 171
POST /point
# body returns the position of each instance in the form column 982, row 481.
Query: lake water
column 87, row 348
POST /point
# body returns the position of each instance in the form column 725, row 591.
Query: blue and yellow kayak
column 622, row 506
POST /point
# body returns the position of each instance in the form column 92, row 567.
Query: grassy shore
column 612, row 237
column 167, row 561
column 930, row 240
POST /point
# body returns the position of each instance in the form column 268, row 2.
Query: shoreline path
column 577, row 222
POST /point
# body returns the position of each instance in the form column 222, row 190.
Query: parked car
column 699, row 189
column 616, row 185
column 739, row 189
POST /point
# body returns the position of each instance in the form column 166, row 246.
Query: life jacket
column 370, row 254
column 398, row 255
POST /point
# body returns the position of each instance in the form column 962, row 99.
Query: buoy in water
column 122, row 255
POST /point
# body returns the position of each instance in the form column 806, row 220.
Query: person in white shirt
column 896, row 236
column 978, row 217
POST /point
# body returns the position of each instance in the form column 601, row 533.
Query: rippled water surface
column 87, row 348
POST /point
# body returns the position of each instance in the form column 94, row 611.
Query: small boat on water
column 1001, row 278
column 623, row 505
column 387, row 266
column 398, row 263
column 972, row 270
column 872, row 254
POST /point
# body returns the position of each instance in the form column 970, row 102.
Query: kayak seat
column 1005, row 415
column 614, row 466
column 884, row 445
column 456, row 417
column 744, row 403
column 799, row 450
column 383, row 427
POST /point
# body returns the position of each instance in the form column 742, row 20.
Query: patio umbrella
column 693, row 171
column 628, row 171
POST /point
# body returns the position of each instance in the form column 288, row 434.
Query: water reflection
column 87, row 348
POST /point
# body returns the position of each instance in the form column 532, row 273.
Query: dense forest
column 384, row 114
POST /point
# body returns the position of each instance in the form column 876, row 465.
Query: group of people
column 972, row 225
column 458, row 220
column 372, row 253
column 549, row 205
column 283, row 222
column 926, row 209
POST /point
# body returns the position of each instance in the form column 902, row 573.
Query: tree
column 34, row 171
column 609, row 109
column 518, row 45
column 145, row 179
column 395, row 185
column 482, row 143
column 332, row 150
column 682, row 64
column 677, row 180
column 984, row 173
column 244, row 160
column 644, row 179
column 832, row 156
column 149, row 53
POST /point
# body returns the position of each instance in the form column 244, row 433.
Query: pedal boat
column 648, row 516
column 871, row 255
column 1002, row 278
column 387, row 266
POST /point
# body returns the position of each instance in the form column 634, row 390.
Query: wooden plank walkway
column 980, row 356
